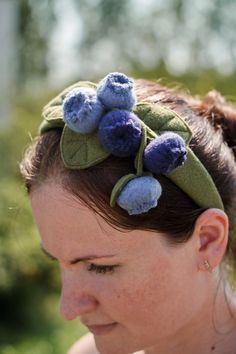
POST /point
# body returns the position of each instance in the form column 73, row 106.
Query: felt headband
column 105, row 119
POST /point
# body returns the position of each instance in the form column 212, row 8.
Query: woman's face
column 133, row 290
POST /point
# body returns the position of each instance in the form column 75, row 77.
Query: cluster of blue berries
column 107, row 110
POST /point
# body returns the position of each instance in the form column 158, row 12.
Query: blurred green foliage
column 35, row 21
column 29, row 283
column 106, row 35
column 196, row 83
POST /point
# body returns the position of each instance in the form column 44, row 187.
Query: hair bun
column 221, row 115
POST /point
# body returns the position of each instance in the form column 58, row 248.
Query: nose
column 76, row 299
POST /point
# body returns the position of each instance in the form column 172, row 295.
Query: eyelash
column 101, row 269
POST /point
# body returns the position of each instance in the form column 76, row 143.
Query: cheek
column 158, row 299
column 138, row 296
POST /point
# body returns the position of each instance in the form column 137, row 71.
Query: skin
column 162, row 298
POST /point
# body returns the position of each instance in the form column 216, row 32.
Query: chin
column 111, row 347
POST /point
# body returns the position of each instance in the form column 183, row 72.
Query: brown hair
column 214, row 126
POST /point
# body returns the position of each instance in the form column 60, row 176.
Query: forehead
column 67, row 227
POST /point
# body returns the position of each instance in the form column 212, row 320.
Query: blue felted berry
column 116, row 91
column 82, row 110
column 120, row 132
column 165, row 153
column 140, row 195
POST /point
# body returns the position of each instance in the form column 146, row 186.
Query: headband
column 105, row 119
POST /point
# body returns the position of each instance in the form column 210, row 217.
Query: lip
column 101, row 329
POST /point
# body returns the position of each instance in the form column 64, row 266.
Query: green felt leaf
column 52, row 124
column 52, row 113
column 80, row 151
column 161, row 120
column 119, row 186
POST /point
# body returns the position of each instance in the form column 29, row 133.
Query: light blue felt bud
column 140, row 195
column 82, row 110
column 116, row 91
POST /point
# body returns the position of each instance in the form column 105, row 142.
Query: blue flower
column 116, row 91
column 165, row 153
column 140, row 195
column 82, row 110
column 120, row 132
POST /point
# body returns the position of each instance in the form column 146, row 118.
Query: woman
column 136, row 201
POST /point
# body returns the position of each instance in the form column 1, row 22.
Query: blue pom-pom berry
column 120, row 132
column 140, row 195
column 82, row 110
column 116, row 91
column 165, row 153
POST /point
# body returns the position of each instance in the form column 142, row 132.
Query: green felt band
column 193, row 178
column 81, row 151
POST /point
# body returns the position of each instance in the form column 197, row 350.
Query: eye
column 101, row 269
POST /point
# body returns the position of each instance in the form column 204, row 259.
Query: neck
column 212, row 332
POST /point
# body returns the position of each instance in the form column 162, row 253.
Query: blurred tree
column 124, row 35
column 7, row 59
column 186, row 36
column 35, row 22
column 103, row 41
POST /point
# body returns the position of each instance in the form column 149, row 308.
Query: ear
column 211, row 232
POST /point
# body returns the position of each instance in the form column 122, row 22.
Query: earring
column 207, row 266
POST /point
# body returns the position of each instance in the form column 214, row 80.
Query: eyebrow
column 78, row 259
